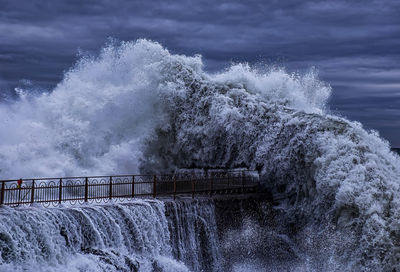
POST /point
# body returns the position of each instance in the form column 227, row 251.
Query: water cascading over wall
column 243, row 233
column 193, row 231
column 142, row 235
column 135, row 236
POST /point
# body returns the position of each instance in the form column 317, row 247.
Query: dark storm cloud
column 354, row 44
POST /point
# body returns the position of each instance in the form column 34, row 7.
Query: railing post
column 174, row 187
column 60, row 191
column 33, row 191
column 110, row 189
column 19, row 191
column 133, row 186
column 155, row 186
column 86, row 189
column 3, row 187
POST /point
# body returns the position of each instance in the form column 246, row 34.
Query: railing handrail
column 118, row 176
column 100, row 188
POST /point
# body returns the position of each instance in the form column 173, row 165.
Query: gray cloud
column 354, row 44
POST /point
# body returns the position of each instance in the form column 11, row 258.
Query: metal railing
column 55, row 191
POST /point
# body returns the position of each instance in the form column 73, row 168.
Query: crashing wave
column 138, row 107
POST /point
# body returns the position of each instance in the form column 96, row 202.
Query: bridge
column 96, row 189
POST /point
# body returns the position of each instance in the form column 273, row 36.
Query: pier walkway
column 96, row 189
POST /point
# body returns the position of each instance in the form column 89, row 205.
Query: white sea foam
column 98, row 118
column 99, row 238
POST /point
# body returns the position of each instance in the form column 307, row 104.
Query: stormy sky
column 355, row 45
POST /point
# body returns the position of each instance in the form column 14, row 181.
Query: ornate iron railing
column 55, row 191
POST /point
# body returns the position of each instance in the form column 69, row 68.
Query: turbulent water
column 148, row 235
column 127, row 237
column 138, row 108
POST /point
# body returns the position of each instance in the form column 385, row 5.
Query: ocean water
column 138, row 108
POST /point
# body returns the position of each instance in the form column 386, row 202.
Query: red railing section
column 55, row 191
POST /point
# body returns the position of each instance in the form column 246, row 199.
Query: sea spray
column 136, row 107
column 102, row 115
